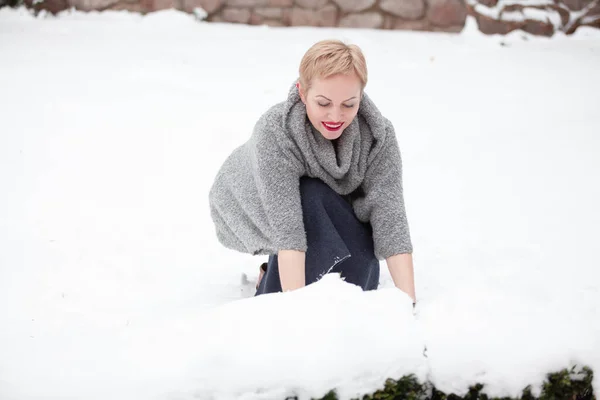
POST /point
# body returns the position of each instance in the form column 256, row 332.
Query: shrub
column 561, row 385
column 10, row 3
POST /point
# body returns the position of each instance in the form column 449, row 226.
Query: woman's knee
column 313, row 189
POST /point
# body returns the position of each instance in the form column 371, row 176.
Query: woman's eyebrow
column 320, row 95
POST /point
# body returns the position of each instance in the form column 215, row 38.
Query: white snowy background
column 113, row 285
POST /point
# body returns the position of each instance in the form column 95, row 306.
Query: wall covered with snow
column 539, row 17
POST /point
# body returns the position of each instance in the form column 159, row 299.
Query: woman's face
column 332, row 103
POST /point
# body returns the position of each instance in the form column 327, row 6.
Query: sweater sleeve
column 383, row 201
column 277, row 172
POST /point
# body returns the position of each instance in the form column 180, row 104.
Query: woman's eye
column 328, row 104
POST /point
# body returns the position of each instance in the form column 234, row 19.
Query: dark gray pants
column 337, row 241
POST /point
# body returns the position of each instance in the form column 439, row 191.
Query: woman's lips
column 332, row 126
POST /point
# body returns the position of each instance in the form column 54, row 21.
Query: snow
column 113, row 285
column 498, row 12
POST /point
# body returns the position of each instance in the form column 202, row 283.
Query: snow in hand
column 112, row 283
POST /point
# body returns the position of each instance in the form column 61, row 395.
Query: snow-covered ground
column 113, row 285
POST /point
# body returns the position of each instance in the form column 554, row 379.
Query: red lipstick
column 332, row 126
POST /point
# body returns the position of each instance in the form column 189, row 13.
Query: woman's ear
column 301, row 92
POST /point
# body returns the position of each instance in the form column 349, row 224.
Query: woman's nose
column 335, row 115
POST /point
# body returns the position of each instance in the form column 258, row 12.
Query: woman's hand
column 261, row 274
column 402, row 271
column 291, row 269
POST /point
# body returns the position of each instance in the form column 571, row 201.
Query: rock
column 447, row 12
column 270, row 18
column 407, row 9
column 236, row 15
column 593, row 24
column 90, row 5
column 287, row 16
column 302, row 17
column 591, row 18
column 272, row 22
column 538, row 28
column 132, row 7
column 312, row 4
column 52, row 6
column 247, row 3
column 269, row 12
column 595, row 11
column 491, row 26
column 388, row 22
column 164, row 5
column 421, row 25
column 371, row 20
column 210, row 6
column 576, row 5
column 354, row 5
column 326, row 16
column 564, row 14
column 488, row 3
column 549, row 10
column 280, row 3
column 255, row 19
column 451, row 29
column 258, row 20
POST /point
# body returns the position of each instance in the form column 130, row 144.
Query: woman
column 318, row 186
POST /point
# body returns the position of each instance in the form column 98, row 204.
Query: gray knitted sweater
column 255, row 199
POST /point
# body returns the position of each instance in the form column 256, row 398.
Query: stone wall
column 430, row 15
column 539, row 17
column 447, row 15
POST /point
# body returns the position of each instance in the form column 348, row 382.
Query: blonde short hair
column 331, row 57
